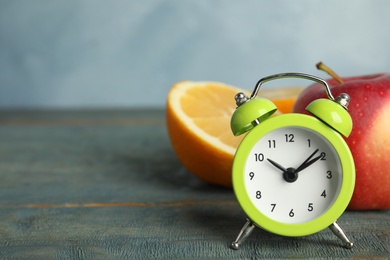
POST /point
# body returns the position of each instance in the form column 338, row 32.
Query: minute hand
column 309, row 161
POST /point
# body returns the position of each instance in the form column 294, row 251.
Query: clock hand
column 309, row 161
column 289, row 174
column 277, row 165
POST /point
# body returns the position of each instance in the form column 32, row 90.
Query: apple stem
column 321, row 66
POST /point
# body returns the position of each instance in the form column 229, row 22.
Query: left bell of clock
column 250, row 112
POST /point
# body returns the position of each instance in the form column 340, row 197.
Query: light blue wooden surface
column 107, row 185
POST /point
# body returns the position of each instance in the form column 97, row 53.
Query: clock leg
column 336, row 229
column 244, row 233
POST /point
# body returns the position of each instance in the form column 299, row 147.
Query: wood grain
column 107, row 185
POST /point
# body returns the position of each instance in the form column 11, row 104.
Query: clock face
column 293, row 175
column 279, row 188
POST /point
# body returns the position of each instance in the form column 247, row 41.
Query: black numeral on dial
column 259, row 157
column 271, row 144
column 289, row 138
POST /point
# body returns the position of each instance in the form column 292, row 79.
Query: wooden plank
column 172, row 232
column 107, row 185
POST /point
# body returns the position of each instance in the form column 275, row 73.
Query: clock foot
column 244, row 233
column 336, row 229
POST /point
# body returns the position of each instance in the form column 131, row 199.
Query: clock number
column 259, row 157
column 329, row 176
column 289, row 138
column 251, row 174
column 258, row 194
column 309, row 142
column 291, row 213
column 323, row 158
column 273, row 207
column 323, row 194
column 310, row 207
column 271, row 143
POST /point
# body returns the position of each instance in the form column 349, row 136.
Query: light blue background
column 95, row 53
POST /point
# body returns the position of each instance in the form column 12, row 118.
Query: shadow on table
column 224, row 222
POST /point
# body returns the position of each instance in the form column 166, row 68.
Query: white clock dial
column 278, row 195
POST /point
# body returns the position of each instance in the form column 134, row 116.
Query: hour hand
column 309, row 161
column 277, row 165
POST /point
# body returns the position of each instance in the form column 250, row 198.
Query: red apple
column 370, row 138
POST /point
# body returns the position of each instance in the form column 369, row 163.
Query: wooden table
column 107, row 185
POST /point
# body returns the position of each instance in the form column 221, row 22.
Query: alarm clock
column 293, row 174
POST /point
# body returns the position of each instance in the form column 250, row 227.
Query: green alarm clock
column 293, row 174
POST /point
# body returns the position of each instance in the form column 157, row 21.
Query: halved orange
column 198, row 122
